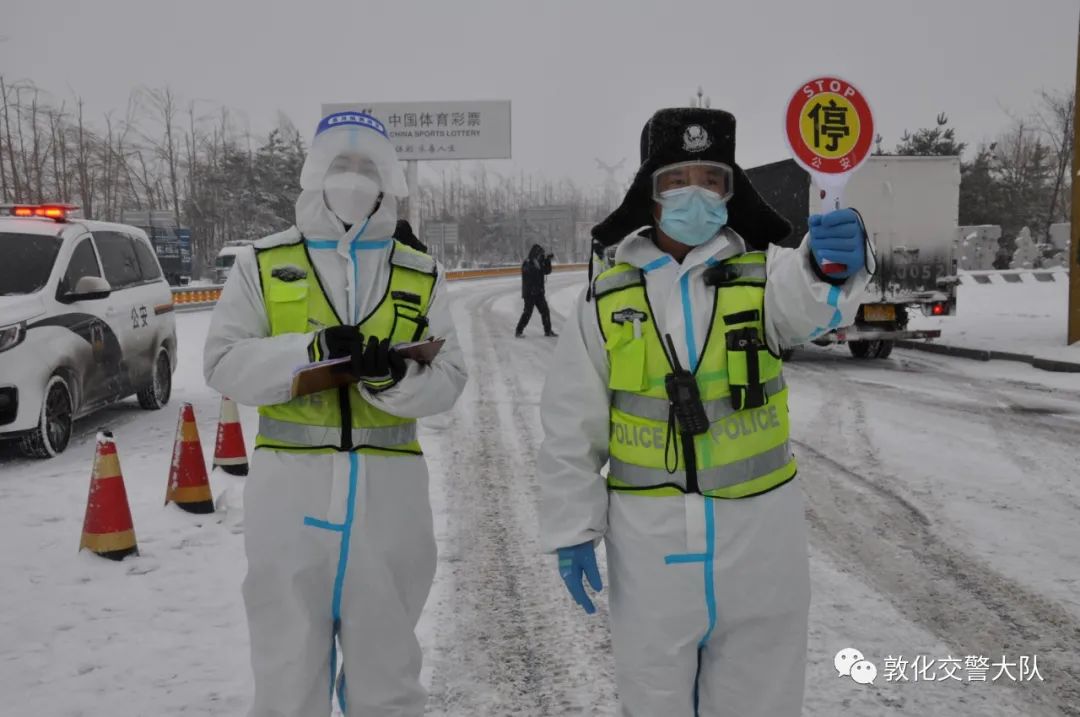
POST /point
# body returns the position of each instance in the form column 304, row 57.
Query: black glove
column 336, row 342
column 377, row 365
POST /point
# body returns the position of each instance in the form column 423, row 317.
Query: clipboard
column 322, row 376
column 325, row 375
column 421, row 351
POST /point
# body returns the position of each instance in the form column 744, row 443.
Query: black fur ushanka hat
column 682, row 135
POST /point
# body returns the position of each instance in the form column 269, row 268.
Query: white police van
column 86, row 319
column 227, row 257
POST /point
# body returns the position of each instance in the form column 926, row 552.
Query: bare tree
column 59, row 158
column 6, row 137
column 163, row 103
column 1055, row 118
column 83, row 158
column 124, row 154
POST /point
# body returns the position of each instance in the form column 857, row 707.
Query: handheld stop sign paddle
column 830, row 129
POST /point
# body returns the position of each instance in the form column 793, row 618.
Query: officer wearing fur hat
column 669, row 372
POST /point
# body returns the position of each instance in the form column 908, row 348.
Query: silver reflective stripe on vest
column 416, row 262
column 656, row 409
column 608, row 284
column 708, row 478
column 301, row 435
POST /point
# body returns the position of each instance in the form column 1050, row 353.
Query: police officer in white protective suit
column 669, row 372
column 338, row 525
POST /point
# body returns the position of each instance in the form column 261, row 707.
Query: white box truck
column 911, row 207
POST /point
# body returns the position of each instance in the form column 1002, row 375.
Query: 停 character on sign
column 831, row 122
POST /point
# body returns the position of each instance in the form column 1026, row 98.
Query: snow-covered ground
column 1029, row 317
column 943, row 499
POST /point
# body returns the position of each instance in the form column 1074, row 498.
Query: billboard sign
column 440, row 130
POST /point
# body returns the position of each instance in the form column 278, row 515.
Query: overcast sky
column 583, row 75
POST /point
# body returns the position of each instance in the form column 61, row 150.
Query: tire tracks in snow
column 896, row 547
column 585, row 639
column 509, row 644
column 1030, row 434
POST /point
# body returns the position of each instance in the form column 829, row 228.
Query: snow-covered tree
column 937, row 141
column 1027, row 254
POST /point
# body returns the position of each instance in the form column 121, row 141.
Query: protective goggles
column 716, row 177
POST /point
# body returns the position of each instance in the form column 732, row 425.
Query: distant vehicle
column 911, row 206
column 86, row 319
column 226, row 257
column 171, row 242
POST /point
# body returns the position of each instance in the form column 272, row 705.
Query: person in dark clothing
column 533, row 271
column 403, row 232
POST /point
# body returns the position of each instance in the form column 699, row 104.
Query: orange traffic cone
column 107, row 528
column 189, row 487
column 230, row 455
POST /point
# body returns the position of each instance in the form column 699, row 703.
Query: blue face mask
column 692, row 215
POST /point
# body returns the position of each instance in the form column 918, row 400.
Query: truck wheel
column 860, row 349
column 53, row 431
column 885, row 348
column 787, row 354
column 157, row 394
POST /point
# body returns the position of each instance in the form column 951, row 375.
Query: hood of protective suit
column 356, row 136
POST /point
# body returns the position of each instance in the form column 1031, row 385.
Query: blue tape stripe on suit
column 323, row 524
column 688, row 320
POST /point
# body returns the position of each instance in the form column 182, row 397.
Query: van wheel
column 53, row 432
column 157, row 394
column 885, row 348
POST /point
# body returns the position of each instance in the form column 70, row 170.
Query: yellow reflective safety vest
column 746, row 450
column 297, row 303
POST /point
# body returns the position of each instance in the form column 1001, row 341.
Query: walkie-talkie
column 685, row 398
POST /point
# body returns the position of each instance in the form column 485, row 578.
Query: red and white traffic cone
column 230, row 454
column 107, row 528
column 189, row 486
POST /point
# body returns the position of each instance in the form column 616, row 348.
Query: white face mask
column 351, row 196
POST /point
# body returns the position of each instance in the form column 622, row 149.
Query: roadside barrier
column 194, row 298
column 1014, row 276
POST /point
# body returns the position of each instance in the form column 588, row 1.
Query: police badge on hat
column 696, row 139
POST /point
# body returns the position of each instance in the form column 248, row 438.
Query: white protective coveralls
column 738, row 589
column 341, row 537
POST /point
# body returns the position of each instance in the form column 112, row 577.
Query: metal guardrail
column 193, row 298
column 497, row 271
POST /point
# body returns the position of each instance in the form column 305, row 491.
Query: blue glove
column 575, row 561
column 838, row 238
